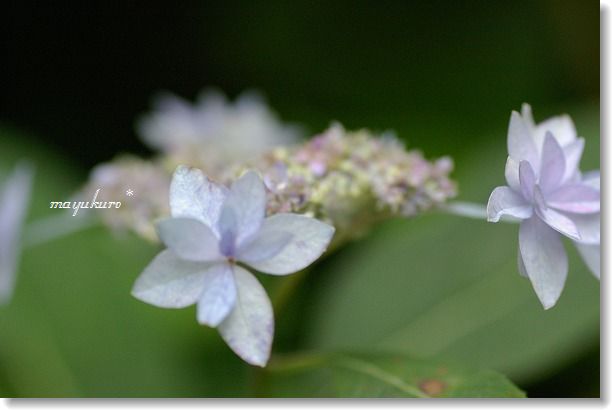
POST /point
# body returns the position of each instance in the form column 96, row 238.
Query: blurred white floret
column 149, row 183
column 15, row 194
column 213, row 130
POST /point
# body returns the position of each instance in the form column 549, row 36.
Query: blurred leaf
column 379, row 375
column 443, row 286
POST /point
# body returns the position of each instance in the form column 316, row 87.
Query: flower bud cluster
column 352, row 179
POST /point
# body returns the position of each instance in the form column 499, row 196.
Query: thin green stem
column 296, row 361
column 287, row 288
column 472, row 210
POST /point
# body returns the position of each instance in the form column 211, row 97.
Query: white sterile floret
column 212, row 233
column 549, row 194
column 14, row 199
column 214, row 131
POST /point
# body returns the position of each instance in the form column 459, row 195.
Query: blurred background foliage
column 444, row 75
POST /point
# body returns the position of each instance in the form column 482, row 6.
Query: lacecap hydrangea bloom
column 214, row 233
column 551, row 197
column 14, row 199
column 352, row 179
column 213, row 131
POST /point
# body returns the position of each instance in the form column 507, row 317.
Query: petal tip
column 331, row 230
column 139, row 293
column 181, row 170
column 251, row 173
column 208, row 322
column 259, row 359
column 259, row 362
column 492, row 215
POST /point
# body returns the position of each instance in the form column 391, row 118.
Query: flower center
column 227, row 244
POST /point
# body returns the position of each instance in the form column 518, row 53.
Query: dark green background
column 443, row 74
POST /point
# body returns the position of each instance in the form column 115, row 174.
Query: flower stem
column 287, row 288
column 473, row 211
column 467, row 209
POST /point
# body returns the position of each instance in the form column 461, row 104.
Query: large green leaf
column 378, row 375
column 445, row 286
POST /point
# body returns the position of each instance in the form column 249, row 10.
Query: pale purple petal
column 170, row 282
column 576, row 198
column 544, row 258
column 189, row 239
column 588, row 226
column 265, row 246
column 573, row 154
column 591, row 254
column 228, row 229
column 193, row 195
column 556, row 220
column 14, row 200
column 521, row 264
column 520, row 142
column 527, row 179
column 592, row 179
column 249, row 328
column 247, row 199
column 552, row 167
column 512, row 174
column 219, row 295
column 309, row 239
column 562, row 127
column 505, row 201
column 527, row 115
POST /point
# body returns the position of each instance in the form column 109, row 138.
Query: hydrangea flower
column 352, row 179
column 551, row 197
column 213, row 233
column 14, row 199
column 213, row 131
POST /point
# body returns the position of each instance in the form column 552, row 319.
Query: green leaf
column 449, row 287
column 378, row 375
